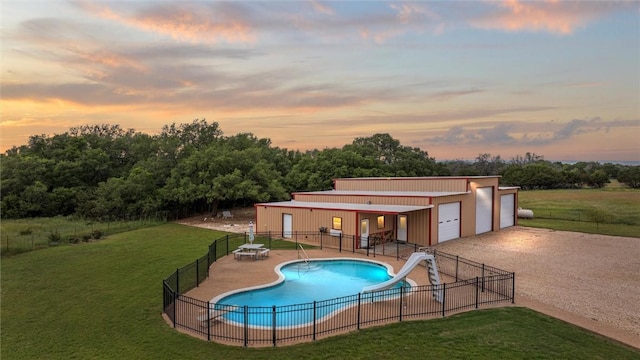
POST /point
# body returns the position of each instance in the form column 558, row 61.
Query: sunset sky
column 454, row 78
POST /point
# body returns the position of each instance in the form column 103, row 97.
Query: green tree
column 235, row 169
column 598, row 179
column 630, row 176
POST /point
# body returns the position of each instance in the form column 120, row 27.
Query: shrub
column 26, row 231
column 54, row 237
column 74, row 240
column 96, row 234
column 86, row 237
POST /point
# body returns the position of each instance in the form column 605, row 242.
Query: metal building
column 419, row 210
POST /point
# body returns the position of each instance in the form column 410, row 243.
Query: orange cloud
column 182, row 23
column 552, row 16
column 322, row 8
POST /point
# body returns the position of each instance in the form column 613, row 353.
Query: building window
column 381, row 222
column 337, row 223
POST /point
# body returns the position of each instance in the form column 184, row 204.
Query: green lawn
column 22, row 235
column 102, row 300
column 611, row 211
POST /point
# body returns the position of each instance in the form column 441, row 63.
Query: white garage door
column 448, row 221
column 484, row 210
column 507, row 210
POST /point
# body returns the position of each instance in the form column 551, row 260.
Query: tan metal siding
column 402, row 184
column 270, row 218
column 364, row 199
column 418, row 227
column 422, row 225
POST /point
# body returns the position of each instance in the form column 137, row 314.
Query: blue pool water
column 304, row 283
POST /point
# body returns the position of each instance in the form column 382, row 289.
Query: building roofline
column 420, row 178
column 373, row 208
column 428, row 194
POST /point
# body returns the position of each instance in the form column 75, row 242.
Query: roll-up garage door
column 484, row 209
column 507, row 210
column 448, row 221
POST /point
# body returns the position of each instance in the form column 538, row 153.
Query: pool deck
column 229, row 274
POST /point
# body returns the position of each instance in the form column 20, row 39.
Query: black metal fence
column 474, row 285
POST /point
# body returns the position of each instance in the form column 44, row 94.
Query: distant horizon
column 504, row 157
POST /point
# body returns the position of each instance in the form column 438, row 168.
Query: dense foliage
column 106, row 172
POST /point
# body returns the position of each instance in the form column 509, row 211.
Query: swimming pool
column 300, row 284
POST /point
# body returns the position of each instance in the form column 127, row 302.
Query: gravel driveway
column 594, row 276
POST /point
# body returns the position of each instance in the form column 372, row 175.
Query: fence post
column 274, row 311
column 401, row 301
column 208, row 321
column 513, row 288
column 359, row 309
column 314, row 320
column 444, row 298
column 227, row 239
column 246, row 325
column 340, row 243
column 482, row 277
column 175, row 315
column 457, row 267
column 374, row 245
column 197, row 272
column 476, row 292
column 353, row 243
column 177, row 280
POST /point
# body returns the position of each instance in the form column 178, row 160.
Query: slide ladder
column 434, row 278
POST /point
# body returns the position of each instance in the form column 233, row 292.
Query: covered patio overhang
column 363, row 213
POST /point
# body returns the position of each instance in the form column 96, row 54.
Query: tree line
column 106, row 172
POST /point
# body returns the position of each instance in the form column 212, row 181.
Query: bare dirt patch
column 239, row 223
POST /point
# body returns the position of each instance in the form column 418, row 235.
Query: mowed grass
column 21, row 235
column 102, row 300
column 613, row 210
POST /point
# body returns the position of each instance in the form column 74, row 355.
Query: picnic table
column 255, row 251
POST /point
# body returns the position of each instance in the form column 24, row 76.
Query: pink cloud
column 560, row 17
column 322, row 8
column 193, row 23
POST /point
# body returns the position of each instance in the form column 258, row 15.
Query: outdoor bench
column 239, row 253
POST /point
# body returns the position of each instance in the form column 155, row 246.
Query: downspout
column 429, row 220
column 357, row 239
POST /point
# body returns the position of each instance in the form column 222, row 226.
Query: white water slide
column 412, row 262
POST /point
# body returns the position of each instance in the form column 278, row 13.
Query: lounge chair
column 227, row 215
